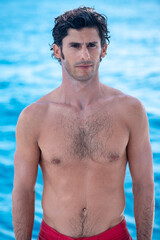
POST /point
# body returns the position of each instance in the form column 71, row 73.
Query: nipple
column 55, row 161
column 113, row 157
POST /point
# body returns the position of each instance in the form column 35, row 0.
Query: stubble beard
column 77, row 77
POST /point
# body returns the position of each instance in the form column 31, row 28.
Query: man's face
column 81, row 53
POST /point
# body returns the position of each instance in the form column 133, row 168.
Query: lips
column 84, row 66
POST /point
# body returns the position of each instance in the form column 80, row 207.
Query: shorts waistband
column 117, row 232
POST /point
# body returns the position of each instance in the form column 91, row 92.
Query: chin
column 83, row 79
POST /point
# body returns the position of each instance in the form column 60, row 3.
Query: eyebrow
column 78, row 43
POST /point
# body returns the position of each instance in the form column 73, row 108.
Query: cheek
column 98, row 57
column 68, row 65
column 69, row 56
column 96, row 54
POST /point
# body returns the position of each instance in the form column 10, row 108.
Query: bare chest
column 97, row 136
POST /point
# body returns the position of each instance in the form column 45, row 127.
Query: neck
column 80, row 94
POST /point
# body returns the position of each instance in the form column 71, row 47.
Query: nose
column 85, row 53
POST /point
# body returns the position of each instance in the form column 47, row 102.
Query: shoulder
column 130, row 108
column 32, row 113
column 134, row 108
column 134, row 114
column 36, row 112
column 127, row 103
column 31, row 119
column 33, row 116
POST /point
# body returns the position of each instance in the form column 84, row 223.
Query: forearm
column 23, row 214
column 144, row 210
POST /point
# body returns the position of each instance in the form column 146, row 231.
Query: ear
column 104, row 50
column 57, row 51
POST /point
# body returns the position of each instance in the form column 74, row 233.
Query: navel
column 83, row 213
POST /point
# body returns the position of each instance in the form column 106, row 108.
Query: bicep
column 140, row 162
column 139, row 149
column 26, row 156
column 25, row 169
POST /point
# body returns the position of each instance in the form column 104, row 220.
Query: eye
column 75, row 45
column 91, row 45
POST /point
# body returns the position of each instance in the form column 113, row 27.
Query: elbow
column 22, row 193
column 144, row 190
column 144, row 183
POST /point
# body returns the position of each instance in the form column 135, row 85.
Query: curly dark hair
column 77, row 19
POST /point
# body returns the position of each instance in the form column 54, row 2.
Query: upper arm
column 27, row 151
column 139, row 148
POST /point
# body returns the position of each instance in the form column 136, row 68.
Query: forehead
column 83, row 35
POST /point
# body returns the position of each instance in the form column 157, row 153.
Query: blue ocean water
column 27, row 72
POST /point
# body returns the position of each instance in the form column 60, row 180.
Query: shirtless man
column 83, row 134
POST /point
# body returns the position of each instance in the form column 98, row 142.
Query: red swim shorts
column 119, row 232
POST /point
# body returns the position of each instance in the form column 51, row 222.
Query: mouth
column 84, row 66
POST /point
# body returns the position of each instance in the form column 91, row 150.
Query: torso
column 83, row 161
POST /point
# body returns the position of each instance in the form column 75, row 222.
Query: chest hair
column 88, row 137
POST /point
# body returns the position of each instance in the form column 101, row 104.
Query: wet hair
column 77, row 19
